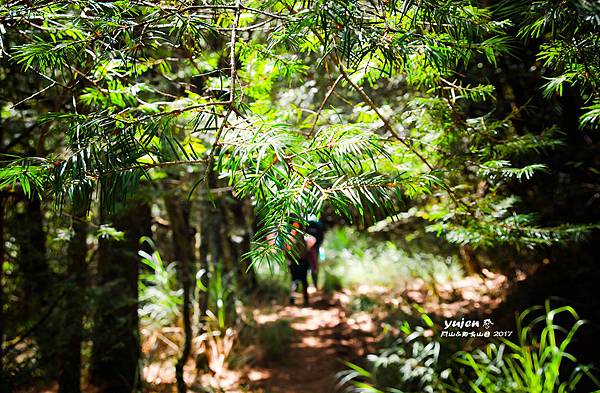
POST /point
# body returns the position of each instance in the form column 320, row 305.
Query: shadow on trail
column 322, row 339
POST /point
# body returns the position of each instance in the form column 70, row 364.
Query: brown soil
column 323, row 338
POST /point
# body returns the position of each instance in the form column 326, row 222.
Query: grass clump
column 331, row 282
column 535, row 361
column 275, row 339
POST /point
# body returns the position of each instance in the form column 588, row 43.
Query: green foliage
column 503, row 226
column 363, row 303
column 108, row 232
column 363, row 108
column 538, row 362
column 331, row 283
column 570, row 47
column 26, row 173
column 592, row 115
column 221, row 312
column 272, row 282
column 160, row 292
column 410, row 363
column 295, row 177
column 500, row 168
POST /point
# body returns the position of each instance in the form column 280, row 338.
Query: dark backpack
column 316, row 229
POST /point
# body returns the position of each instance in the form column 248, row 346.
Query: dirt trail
column 322, row 339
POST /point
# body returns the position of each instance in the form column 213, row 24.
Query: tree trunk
column 236, row 235
column 178, row 209
column 31, row 239
column 210, row 250
column 469, row 261
column 70, row 357
column 115, row 358
column 223, row 226
column 204, row 260
column 30, row 236
column 3, row 386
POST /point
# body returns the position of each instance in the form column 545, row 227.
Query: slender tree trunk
column 178, row 209
column 204, row 260
column 469, row 260
column 115, row 358
column 210, row 250
column 70, row 358
column 3, row 386
column 236, row 231
column 3, row 389
column 223, row 226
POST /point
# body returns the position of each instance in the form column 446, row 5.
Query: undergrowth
column 275, row 339
column 352, row 259
column 418, row 360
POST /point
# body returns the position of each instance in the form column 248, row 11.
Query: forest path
column 323, row 337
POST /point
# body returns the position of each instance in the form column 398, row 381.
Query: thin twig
column 388, row 126
column 232, row 76
column 35, row 94
column 329, row 93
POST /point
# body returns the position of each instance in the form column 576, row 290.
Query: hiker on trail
column 298, row 261
column 302, row 255
column 315, row 229
column 306, row 258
